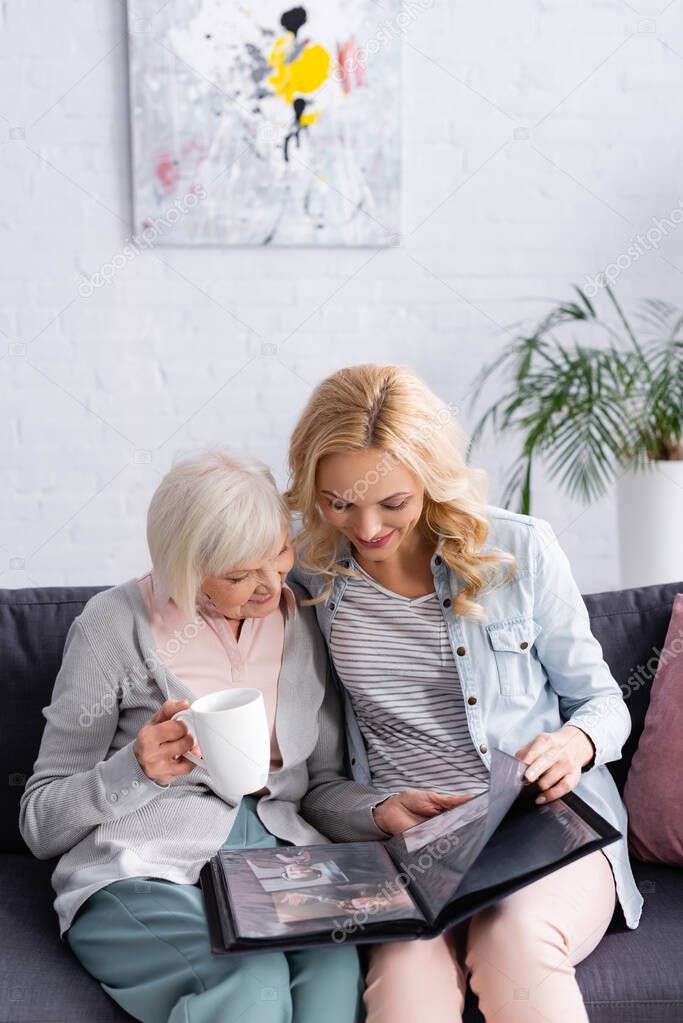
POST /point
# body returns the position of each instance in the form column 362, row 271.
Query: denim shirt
column 530, row 665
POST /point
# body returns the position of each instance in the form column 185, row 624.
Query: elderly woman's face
column 254, row 590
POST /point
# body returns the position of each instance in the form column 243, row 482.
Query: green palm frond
column 587, row 412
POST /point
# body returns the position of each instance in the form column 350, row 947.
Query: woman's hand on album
column 405, row 809
column 555, row 760
column 161, row 743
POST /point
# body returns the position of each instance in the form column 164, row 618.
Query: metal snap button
column 471, row 700
column 483, row 748
column 438, row 559
column 113, row 797
column 447, row 602
column 332, row 605
column 461, row 651
column 523, row 645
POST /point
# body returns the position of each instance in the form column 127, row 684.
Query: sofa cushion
column 653, row 786
column 635, row 976
column 631, row 977
column 41, row 981
column 33, row 628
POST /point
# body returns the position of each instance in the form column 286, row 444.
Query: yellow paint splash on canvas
column 303, row 75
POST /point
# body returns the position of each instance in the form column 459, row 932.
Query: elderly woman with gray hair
column 132, row 820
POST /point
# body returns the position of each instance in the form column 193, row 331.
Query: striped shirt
column 393, row 655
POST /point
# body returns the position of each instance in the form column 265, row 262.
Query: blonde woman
column 454, row 626
column 131, row 819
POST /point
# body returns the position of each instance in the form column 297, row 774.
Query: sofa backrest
column 630, row 624
column 33, row 628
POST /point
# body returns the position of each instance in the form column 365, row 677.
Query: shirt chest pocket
column 512, row 643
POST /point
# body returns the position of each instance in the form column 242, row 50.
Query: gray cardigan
column 88, row 800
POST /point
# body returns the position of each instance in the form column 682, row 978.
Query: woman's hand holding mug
column 405, row 809
column 232, row 728
column 160, row 745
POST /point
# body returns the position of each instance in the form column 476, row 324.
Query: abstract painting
column 266, row 125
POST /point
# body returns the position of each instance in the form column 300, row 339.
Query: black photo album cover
column 412, row 885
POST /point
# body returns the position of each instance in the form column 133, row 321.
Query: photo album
column 412, row 885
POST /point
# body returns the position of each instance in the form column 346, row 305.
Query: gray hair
column 212, row 512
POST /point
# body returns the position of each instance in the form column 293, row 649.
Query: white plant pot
column 650, row 516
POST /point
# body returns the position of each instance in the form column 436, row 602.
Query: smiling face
column 253, row 590
column 297, row 872
column 372, row 498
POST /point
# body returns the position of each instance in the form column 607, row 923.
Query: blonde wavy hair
column 389, row 409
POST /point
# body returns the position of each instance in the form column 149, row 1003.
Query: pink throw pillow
column 653, row 792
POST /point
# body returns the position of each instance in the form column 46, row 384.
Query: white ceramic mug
column 231, row 728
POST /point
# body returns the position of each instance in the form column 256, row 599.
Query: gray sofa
column 632, row 977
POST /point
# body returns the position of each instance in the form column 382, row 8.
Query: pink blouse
column 204, row 653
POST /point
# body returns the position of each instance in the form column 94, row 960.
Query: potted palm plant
column 596, row 415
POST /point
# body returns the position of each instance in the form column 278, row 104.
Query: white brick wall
column 494, row 225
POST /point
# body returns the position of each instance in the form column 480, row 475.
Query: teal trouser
column 146, row 941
